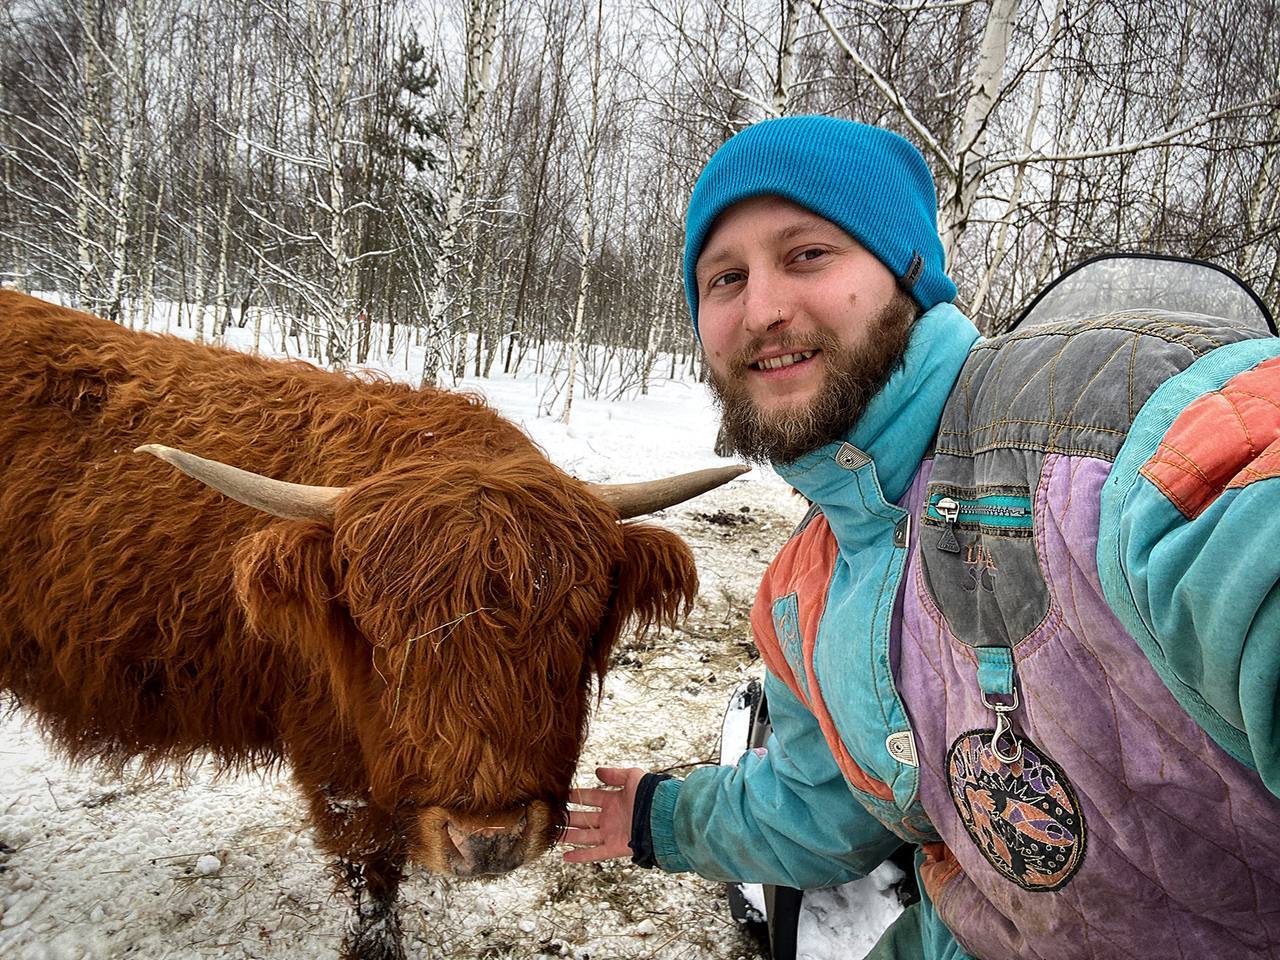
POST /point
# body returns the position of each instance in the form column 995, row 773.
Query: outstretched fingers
column 602, row 831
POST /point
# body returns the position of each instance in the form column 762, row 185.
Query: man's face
column 800, row 324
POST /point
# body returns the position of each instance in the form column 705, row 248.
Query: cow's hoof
column 374, row 936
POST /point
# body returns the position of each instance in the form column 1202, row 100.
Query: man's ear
column 655, row 582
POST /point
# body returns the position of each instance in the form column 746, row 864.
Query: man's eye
column 813, row 253
column 731, row 276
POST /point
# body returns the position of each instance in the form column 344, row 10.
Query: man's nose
column 766, row 309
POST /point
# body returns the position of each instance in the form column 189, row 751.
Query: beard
column 853, row 376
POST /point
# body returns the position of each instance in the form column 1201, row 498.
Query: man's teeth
column 774, row 363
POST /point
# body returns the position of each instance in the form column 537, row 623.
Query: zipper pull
column 949, row 510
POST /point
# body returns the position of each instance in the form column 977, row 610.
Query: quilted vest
column 1080, row 812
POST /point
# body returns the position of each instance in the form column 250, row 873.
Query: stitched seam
column 1102, row 367
column 1133, row 363
column 1138, row 325
column 1186, row 464
column 1187, row 470
column 1183, row 507
column 1240, row 391
column 1244, row 427
column 1108, row 455
column 1009, row 421
column 884, row 661
column 1252, row 475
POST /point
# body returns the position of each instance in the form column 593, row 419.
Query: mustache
column 741, row 361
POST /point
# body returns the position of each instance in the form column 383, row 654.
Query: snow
column 847, row 921
column 208, row 865
column 188, row 864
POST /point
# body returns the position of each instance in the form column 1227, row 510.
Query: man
column 1031, row 626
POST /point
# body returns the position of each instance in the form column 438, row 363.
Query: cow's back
column 118, row 623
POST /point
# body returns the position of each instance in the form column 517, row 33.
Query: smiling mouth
column 786, row 360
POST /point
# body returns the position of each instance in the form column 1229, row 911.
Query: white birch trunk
column 86, row 152
column 984, row 90
column 132, row 116
column 1251, row 259
column 197, row 253
column 1019, row 177
column 586, row 237
column 17, row 251
column 784, row 76
column 149, row 264
column 329, row 104
column 482, row 26
column 238, row 101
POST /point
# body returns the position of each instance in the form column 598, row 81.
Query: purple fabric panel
column 1183, row 843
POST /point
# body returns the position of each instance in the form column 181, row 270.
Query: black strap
column 641, row 837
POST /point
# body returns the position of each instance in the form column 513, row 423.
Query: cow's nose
column 487, row 847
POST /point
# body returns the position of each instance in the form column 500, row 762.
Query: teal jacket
column 827, row 802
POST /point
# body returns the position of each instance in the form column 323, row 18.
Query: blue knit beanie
column 871, row 183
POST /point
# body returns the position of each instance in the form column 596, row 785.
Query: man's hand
column 604, row 832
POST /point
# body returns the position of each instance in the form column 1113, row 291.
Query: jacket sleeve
column 784, row 817
column 1189, row 545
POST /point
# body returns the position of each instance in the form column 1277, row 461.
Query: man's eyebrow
column 781, row 235
column 799, row 227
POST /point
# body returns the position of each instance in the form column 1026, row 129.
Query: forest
column 502, row 182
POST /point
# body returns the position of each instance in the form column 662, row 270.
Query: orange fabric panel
column 939, row 867
column 1225, row 439
column 1266, row 466
column 803, row 567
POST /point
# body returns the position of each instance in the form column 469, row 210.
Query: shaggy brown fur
column 426, row 658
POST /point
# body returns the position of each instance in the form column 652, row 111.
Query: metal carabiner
column 1003, row 728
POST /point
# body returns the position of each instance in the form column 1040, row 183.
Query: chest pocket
column 978, row 552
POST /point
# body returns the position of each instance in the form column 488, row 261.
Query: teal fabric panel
column 995, row 670
column 785, row 818
column 899, row 424
column 850, row 661
column 917, row 934
column 1208, row 588
column 936, row 940
column 1200, row 597
column 661, row 817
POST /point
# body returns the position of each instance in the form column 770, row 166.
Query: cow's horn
column 634, row 499
column 293, row 501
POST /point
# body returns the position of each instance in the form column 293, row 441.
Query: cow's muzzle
column 468, row 845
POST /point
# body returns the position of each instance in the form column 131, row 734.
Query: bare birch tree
column 481, row 26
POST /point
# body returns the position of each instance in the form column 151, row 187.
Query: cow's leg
column 373, row 932
column 371, row 855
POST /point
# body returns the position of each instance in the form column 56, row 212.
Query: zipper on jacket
column 998, row 510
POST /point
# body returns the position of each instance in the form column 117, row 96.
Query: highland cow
column 403, row 601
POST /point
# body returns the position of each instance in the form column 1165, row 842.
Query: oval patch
column 1024, row 816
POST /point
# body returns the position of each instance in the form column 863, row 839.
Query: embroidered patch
column 786, row 627
column 1024, row 817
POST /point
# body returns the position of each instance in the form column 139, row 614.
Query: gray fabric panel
column 1071, row 388
column 1075, row 387
column 992, row 591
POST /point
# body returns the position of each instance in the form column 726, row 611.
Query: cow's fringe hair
column 435, row 644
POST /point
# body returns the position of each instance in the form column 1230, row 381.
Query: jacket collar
column 900, row 422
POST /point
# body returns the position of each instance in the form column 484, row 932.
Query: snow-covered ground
column 185, row 864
